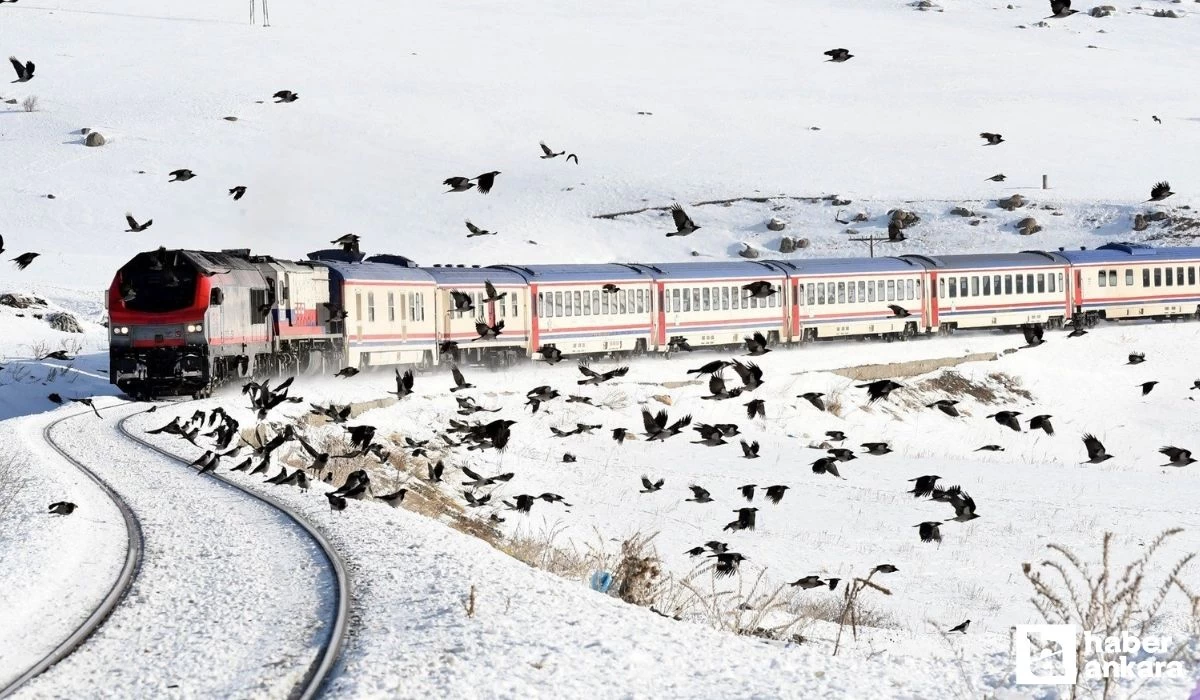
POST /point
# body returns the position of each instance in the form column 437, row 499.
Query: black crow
column 756, row 344
column 572, row 157
column 181, row 175
column 1061, row 9
column 990, row 448
column 609, row 288
column 488, row 332
column 684, row 225
column 237, row 192
column 775, row 493
column 877, row 448
column 835, row 435
column 1147, row 387
column 879, row 389
column 1160, row 191
column 826, row 465
column 679, row 343
column 1136, row 358
column 435, row 471
column 285, row 96
column 619, row 435
column 1156, row 119
column 842, row 454
column 750, row 449
column 1033, row 335
column 24, row 259
column 992, row 139
column 460, row 382
column 899, row 311
column 474, row 501
column 346, row 372
column 24, row 71
column 461, row 300
column 1195, row 385
column 491, row 294
column 551, row 354
column 1008, row 419
column 87, row 402
column 699, row 495
column 929, row 531
column 1043, row 422
column 710, row 435
column 746, row 519
column 964, row 506
column 524, row 502
column 1179, row 457
column 134, row 226
column 656, row 425
column 750, row 374
column 760, row 289
column 963, row 627
column 710, row 368
column 748, row 491
column 808, row 582
column 1095, row 449
column 586, row 400
column 547, row 152
column 62, row 508
column 394, row 499
column 814, row 398
column 924, row 485
column 885, row 569
column 946, row 406
column 727, row 563
column 485, row 181
column 476, row 231
column 594, row 377
column 348, row 242
column 648, row 487
column 839, row 55
column 717, row 390
column 757, row 407
column 458, row 184
column 998, row 177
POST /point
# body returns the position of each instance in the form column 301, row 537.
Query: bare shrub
column 638, row 571
column 542, row 551
column 1107, row 600
column 829, row 609
column 469, row 603
column 851, row 608
column 12, row 482
column 30, row 104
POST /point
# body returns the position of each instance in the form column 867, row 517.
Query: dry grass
column 999, row 387
column 12, row 482
column 30, row 104
column 1107, row 599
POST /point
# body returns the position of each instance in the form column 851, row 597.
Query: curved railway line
column 315, row 676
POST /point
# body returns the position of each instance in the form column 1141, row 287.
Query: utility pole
column 870, row 240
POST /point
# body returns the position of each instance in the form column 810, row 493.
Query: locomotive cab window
column 215, row 298
column 259, row 308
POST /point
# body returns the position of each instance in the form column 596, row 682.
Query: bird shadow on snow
column 26, row 384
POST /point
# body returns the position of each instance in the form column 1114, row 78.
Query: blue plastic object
column 601, row 581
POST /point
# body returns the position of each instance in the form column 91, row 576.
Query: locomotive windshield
column 158, row 282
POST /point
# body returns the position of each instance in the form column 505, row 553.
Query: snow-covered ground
column 740, row 103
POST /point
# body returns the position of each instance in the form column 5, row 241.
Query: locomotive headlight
column 195, row 327
column 122, row 330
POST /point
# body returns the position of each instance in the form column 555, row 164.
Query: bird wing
column 473, row 228
column 716, row 385
column 588, row 371
column 481, row 328
column 1094, row 446
column 682, row 220
column 459, row 380
column 546, row 149
column 758, row 338
column 699, row 491
column 648, row 421
column 133, row 224
column 17, row 66
column 490, row 289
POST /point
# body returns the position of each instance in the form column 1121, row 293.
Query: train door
column 932, row 301
column 658, row 320
column 358, row 314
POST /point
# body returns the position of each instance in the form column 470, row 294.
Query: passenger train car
column 186, row 320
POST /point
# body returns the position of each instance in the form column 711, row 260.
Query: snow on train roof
column 1129, row 253
column 348, row 271
column 593, row 272
column 1028, row 258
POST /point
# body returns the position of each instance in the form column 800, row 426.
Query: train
column 186, row 321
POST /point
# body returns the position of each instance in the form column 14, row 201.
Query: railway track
column 333, row 629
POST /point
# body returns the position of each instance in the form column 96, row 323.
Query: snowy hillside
column 396, row 97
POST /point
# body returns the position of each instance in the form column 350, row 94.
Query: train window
column 962, row 286
column 941, row 290
column 871, row 291
column 216, row 297
column 1179, row 276
column 862, row 292
column 1020, row 284
column 1158, row 277
column 724, row 298
column 673, row 300
column 841, row 292
column 850, row 296
column 987, row 286
column 541, row 305
column 1170, row 277
column 568, row 309
column 891, row 289
column 587, row 304
column 953, row 287
column 1102, row 279
column 1145, row 277
column 811, row 292
column 696, row 298
column 911, row 287
column 1050, row 281
column 1128, row 277
column 391, row 306
column 420, row 306
column 821, row 293
column 1112, row 279
column 624, row 301
column 578, row 297
column 641, row 302
column 556, row 304
column 1041, row 281
column 706, row 297
column 1008, row 289
column 1191, row 275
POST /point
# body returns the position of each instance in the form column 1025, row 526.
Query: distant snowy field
column 397, row 96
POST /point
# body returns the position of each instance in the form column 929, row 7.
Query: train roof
column 1130, row 253
column 828, row 266
column 373, row 271
column 449, row 276
column 708, row 270
column 602, row 272
column 1028, row 258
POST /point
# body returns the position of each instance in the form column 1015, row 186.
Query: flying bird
column 134, row 226
column 24, row 71
column 87, row 402
column 572, row 157
column 1147, row 387
column 877, row 448
column 684, row 226
column 839, row 55
column 485, row 181
column 929, row 531
column 924, row 485
column 460, row 382
column 594, row 377
column 551, row 354
column 885, row 569
column 750, row 374
column 404, row 384
column 24, row 259
column 1008, row 419
column 237, row 192
column 835, row 435
column 990, row 448
column 476, row 231
column 1033, row 335
column 747, row 491
column 285, row 96
column 181, row 175
column 488, row 332
column 699, row 495
column 899, row 311
column 826, row 465
column 458, row 184
column 998, row 177
column 750, row 449
column 727, row 563
column 1043, row 422
column 648, row 487
column 490, row 292
column 547, row 152
column 1136, row 358
column 775, row 493
column 1179, row 457
column 814, row 398
column 1095, row 449
column 879, row 389
column 656, row 425
column 710, row 367
column 1061, row 9
column 717, row 390
column 1160, row 191
column 1156, row 119
column 756, row 344
column 757, row 407
column 346, row 372
column 760, row 290
column 992, row 139
column 62, row 508
column 947, row 406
